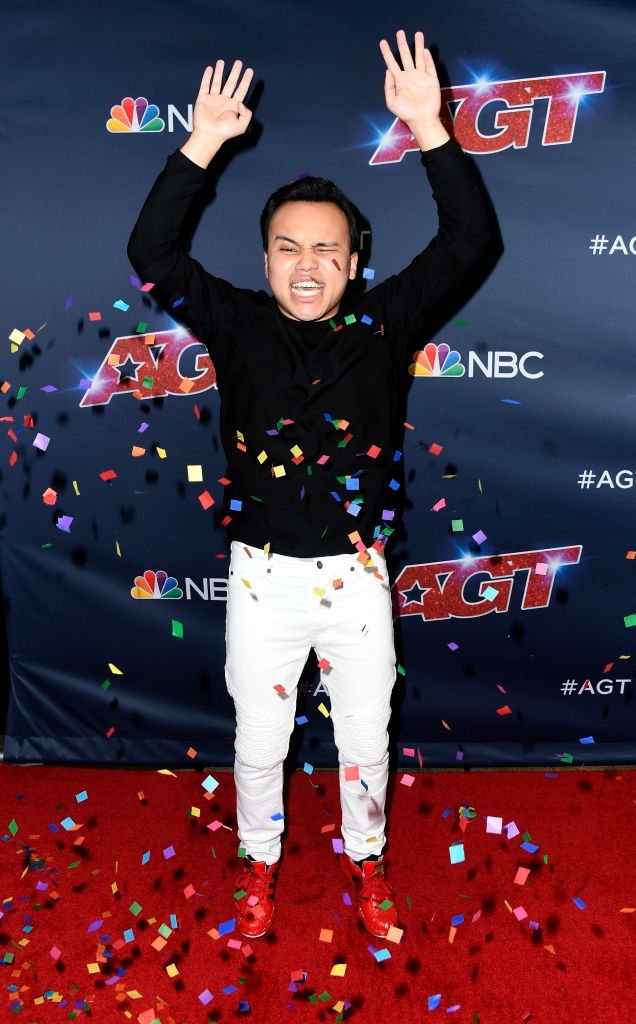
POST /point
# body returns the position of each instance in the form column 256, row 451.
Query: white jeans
column 275, row 615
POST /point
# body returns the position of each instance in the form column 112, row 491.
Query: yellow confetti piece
column 172, row 970
column 338, row 970
column 132, row 993
column 116, row 671
column 195, row 812
column 93, row 968
column 508, row 906
column 76, row 488
column 117, row 548
column 247, row 583
column 266, row 547
column 161, row 452
column 319, row 591
column 240, row 435
column 296, row 451
column 279, row 471
column 262, row 457
column 166, row 771
column 195, row 474
column 323, row 710
column 339, row 1006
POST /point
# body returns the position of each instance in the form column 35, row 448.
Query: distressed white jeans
column 275, row 614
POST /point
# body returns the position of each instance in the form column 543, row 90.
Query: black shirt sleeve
column 465, row 233
column 194, row 297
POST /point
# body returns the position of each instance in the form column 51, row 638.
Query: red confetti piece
column 94, row 316
column 435, row 449
column 505, row 710
column 206, row 499
column 108, row 474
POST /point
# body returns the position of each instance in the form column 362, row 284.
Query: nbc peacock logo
column 156, row 585
column 437, row 361
column 135, row 116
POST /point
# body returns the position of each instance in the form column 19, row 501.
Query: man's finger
column 218, row 76
column 420, row 52
column 405, row 52
column 232, row 79
column 390, row 60
column 205, row 81
column 244, row 84
column 389, row 88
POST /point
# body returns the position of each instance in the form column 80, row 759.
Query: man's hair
column 312, row 190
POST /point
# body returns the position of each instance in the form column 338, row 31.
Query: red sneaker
column 373, row 890
column 256, row 907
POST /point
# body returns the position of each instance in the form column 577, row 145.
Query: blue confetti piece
column 209, row 784
column 145, row 857
column 580, row 904
column 364, row 319
column 458, row 919
column 363, row 783
column 80, row 797
column 586, row 739
column 434, row 1001
column 456, row 852
column 510, row 401
column 129, row 935
column 551, row 775
column 225, row 928
column 277, row 817
column 352, row 484
column 529, row 847
column 354, row 509
column 244, row 1006
column 382, row 954
column 173, row 921
column 394, row 485
column 334, row 494
column 178, row 302
column 236, row 505
column 368, row 274
column 229, row 989
column 54, row 828
column 446, row 812
column 346, row 899
column 397, row 455
column 308, row 768
column 120, row 304
column 302, row 720
column 67, row 823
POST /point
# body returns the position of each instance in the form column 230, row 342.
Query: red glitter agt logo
column 511, row 123
column 471, row 586
column 148, row 366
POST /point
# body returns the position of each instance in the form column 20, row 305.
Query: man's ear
column 266, row 266
column 353, row 267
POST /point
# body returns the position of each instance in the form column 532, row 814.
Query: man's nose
column 306, row 257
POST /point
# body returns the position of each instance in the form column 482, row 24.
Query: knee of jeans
column 362, row 739
column 261, row 742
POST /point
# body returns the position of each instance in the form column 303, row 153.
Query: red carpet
column 83, row 916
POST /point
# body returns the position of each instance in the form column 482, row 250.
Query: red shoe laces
column 376, row 888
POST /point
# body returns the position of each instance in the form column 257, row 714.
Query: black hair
column 312, row 190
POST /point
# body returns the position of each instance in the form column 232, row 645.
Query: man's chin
column 305, row 315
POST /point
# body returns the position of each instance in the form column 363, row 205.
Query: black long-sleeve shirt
column 308, row 410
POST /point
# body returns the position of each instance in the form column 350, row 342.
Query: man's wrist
column 429, row 134
column 202, row 149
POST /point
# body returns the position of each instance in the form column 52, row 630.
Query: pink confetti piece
column 494, row 825
column 407, row 780
column 41, row 441
column 439, row 504
column 522, row 876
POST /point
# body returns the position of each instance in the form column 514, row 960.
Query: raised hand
column 219, row 109
column 412, row 92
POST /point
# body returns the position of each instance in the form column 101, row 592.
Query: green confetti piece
column 332, row 323
column 21, row 392
column 242, row 851
column 545, row 858
column 461, row 323
column 141, row 327
column 324, row 997
column 457, row 525
column 13, row 826
column 213, row 852
column 630, row 620
column 409, row 902
column 177, row 629
column 401, row 670
column 165, row 931
column 527, row 837
column 43, row 546
column 147, row 382
column 350, row 319
column 73, row 864
column 386, row 904
column 9, row 958
column 105, row 684
column 475, row 1019
column 135, row 908
column 240, row 893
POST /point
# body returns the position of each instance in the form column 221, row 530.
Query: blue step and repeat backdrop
column 514, row 574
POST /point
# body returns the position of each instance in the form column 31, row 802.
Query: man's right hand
column 219, row 111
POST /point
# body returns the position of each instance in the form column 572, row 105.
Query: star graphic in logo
column 417, row 591
column 124, row 370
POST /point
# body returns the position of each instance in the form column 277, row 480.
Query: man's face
column 308, row 260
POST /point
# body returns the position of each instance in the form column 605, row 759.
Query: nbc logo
column 442, row 361
column 155, row 585
column 437, row 361
column 135, row 116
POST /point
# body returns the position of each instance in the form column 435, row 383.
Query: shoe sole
column 260, row 934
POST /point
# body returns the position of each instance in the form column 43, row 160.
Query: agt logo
column 158, row 586
column 150, row 366
column 470, row 587
column 463, row 109
column 442, row 361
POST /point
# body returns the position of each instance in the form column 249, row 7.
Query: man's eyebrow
column 285, row 238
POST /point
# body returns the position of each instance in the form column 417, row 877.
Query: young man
column 308, row 391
